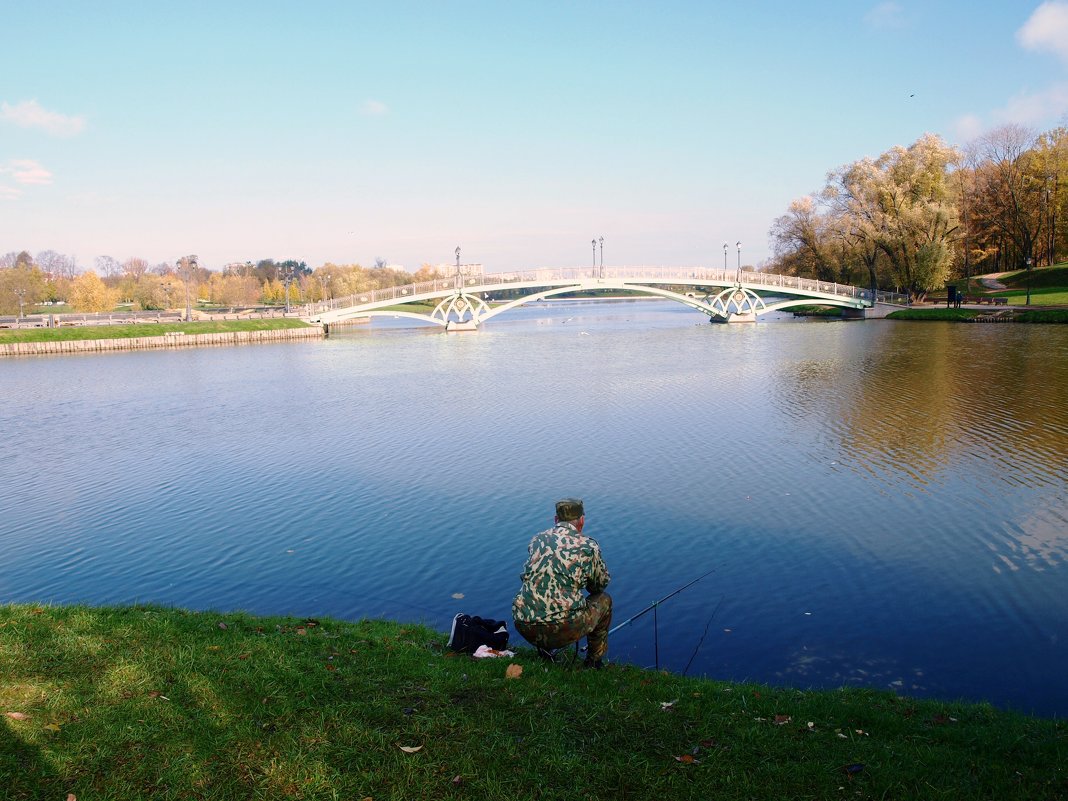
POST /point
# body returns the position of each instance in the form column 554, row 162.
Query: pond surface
column 883, row 503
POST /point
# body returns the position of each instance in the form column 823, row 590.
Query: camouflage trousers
column 592, row 623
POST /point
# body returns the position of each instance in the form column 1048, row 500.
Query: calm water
column 884, row 504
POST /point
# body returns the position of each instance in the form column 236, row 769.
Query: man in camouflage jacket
column 551, row 609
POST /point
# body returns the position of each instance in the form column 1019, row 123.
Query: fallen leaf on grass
column 302, row 631
column 17, row 715
column 782, row 720
column 55, row 728
column 214, row 647
column 72, row 797
column 687, row 759
column 222, row 626
column 513, row 671
column 409, row 749
column 457, row 780
column 667, row 705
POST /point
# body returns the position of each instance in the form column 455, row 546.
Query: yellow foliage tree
column 89, row 294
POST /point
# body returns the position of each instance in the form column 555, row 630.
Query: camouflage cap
column 568, row 509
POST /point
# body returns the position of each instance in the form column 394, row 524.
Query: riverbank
column 133, row 702
column 149, row 336
column 1009, row 315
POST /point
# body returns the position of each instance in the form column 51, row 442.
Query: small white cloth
column 485, row 652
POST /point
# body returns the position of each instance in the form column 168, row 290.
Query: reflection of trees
column 922, row 395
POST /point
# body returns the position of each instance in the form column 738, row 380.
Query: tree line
column 917, row 217
column 27, row 281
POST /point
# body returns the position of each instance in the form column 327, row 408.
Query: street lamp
column 601, row 241
column 287, row 279
column 457, row 259
column 187, row 264
column 594, row 243
column 739, row 245
column 1028, row 280
column 22, row 295
column 724, row 257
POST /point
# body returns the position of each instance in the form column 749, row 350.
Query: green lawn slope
column 153, row 703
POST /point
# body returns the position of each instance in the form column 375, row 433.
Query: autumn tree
column 1011, row 189
column 90, row 294
column 901, row 206
column 108, row 265
column 20, row 288
column 804, row 233
column 56, row 264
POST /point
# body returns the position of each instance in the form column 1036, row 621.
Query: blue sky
column 350, row 131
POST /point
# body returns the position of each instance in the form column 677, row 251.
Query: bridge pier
column 466, row 325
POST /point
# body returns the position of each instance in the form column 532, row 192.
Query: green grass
column 144, row 329
column 146, row 702
column 938, row 313
column 1043, row 316
column 1040, row 296
column 964, row 315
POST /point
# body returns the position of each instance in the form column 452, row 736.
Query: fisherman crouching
column 552, row 609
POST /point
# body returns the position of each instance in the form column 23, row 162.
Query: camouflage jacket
column 562, row 563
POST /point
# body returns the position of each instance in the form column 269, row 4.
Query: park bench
column 1001, row 301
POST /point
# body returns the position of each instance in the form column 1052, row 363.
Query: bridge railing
column 648, row 274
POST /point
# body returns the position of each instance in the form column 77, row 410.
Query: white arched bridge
column 469, row 297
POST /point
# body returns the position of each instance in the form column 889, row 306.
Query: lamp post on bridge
column 739, row 262
column 724, row 257
column 601, row 241
column 593, row 242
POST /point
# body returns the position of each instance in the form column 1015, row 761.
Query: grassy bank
column 965, row 315
column 131, row 331
column 145, row 702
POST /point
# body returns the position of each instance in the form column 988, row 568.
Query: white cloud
column 1047, row 29
column 886, row 15
column 30, row 114
column 1032, row 110
column 1036, row 108
column 374, row 108
column 25, row 171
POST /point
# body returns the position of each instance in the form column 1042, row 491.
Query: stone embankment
column 171, row 340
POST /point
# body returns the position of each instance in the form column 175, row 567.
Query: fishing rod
column 652, row 608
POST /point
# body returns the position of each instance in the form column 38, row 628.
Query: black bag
column 469, row 632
